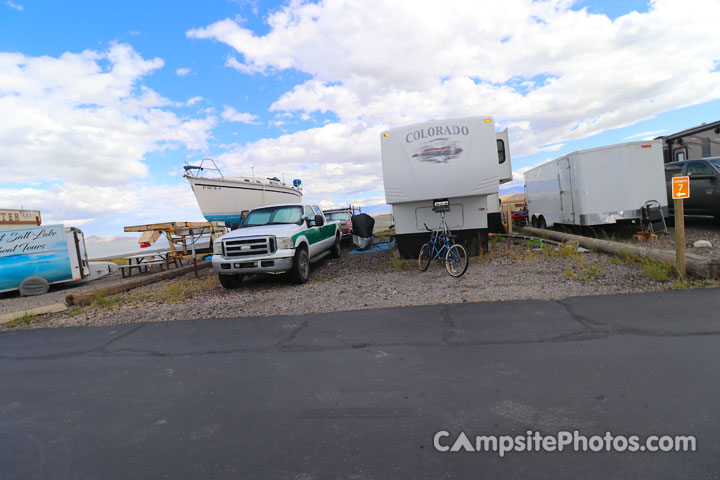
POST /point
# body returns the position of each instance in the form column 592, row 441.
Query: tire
column 456, row 260
column 231, row 281
column 424, row 257
column 533, row 222
column 542, row 224
column 335, row 249
column 33, row 286
column 300, row 272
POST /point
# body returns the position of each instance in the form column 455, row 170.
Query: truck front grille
column 245, row 247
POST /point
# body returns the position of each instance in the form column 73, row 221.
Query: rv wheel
column 34, row 286
column 533, row 221
column 541, row 223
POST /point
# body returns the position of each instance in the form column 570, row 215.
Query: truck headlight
column 285, row 243
column 217, row 248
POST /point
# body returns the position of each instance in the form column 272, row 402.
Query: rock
column 702, row 244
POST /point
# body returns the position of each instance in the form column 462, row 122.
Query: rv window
column 501, row 151
column 679, row 155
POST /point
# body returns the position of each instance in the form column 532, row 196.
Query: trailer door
column 567, row 212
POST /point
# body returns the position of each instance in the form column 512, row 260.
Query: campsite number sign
column 681, row 187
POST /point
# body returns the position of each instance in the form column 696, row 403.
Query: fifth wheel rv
column 599, row 186
column 461, row 160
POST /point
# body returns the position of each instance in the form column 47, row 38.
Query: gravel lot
column 13, row 302
column 696, row 229
column 511, row 271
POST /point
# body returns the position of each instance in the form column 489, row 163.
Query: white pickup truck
column 276, row 239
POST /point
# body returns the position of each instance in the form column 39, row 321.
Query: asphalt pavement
column 361, row 395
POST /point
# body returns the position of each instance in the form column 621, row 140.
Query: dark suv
column 704, row 176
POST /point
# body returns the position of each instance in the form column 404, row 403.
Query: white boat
column 225, row 199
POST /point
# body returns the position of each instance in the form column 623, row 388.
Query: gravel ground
column 511, row 271
column 13, row 302
column 696, row 229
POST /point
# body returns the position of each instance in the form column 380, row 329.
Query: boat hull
column 224, row 200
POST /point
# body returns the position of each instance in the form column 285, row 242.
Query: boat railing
column 196, row 170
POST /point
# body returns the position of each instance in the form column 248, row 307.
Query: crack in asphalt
column 591, row 330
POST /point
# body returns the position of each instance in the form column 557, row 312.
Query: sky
column 101, row 103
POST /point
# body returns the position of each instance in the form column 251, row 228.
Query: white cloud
column 646, row 135
column 345, row 161
column 15, row 6
column 550, row 72
column 86, row 118
column 193, row 101
column 182, row 71
column 232, row 115
column 81, row 204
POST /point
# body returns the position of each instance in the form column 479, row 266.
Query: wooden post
column 680, row 235
column 508, row 212
column 192, row 237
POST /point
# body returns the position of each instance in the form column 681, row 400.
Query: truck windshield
column 273, row 216
column 342, row 216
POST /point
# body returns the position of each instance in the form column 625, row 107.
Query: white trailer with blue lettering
column 33, row 258
column 462, row 160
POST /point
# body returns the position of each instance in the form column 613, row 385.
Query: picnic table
column 143, row 261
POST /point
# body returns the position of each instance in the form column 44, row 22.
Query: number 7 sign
column 681, row 187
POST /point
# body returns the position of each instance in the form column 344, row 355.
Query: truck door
column 703, row 185
column 567, row 212
column 327, row 231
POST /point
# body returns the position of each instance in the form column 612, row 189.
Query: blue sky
column 102, row 102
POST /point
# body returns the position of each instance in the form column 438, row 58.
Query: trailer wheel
column 34, row 286
column 542, row 223
column 231, row 281
column 533, row 221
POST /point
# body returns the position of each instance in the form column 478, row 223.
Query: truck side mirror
column 319, row 221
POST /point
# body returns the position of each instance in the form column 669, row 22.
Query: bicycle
column 442, row 242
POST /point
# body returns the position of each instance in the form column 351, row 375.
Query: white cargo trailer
column 599, row 186
column 462, row 160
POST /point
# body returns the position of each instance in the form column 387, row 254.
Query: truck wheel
column 230, row 281
column 34, row 286
column 335, row 249
column 300, row 272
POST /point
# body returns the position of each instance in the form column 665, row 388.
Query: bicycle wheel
column 456, row 260
column 425, row 257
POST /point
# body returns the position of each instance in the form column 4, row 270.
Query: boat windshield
column 342, row 216
column 273, row 216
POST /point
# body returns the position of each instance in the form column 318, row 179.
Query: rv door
column 567, row 211
column 78, row 241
